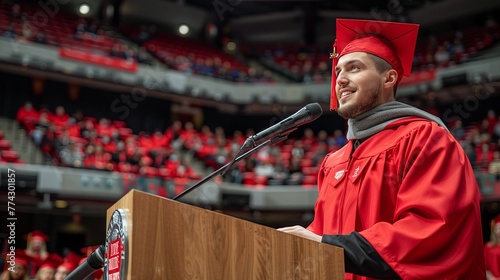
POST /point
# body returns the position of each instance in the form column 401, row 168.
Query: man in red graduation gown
column 400, row 197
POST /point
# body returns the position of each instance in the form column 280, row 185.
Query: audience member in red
column 108, row 144
column 206, row 133
column 70, row 263
column 97, row 158
column 20, row 269
column 73, row 128
column 492, row 120
column 492, row 251
column 60, row 118
column 184, row 171
column 36, row 248
column 159, row 140
column 48, row 268
column 238, row 138
column 145, row 141
column 27, row 116
column 104, row 128
column 188, row 132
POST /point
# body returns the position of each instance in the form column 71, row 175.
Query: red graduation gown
column 411, row 193
column 492, row 258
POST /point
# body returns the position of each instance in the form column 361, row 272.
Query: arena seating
column 7, row 154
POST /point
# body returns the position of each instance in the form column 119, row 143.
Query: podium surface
column 168, row 239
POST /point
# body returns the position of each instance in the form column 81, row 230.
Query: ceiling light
column 84, row 9
column 183, row 29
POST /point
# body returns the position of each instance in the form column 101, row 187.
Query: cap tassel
column 334, row 56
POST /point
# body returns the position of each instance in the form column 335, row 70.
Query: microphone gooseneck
column 305, row 115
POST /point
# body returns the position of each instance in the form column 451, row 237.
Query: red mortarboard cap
column 392, row 41
column 71, row 261
column 20, row 257
column 36, row 234
column 52, row 261
column 497, row 219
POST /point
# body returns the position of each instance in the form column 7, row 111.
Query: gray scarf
column 375, row 120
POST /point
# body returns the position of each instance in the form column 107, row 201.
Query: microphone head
column 315, row 110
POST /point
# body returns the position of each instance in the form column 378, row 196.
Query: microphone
column 93, row 262
column 305, row 115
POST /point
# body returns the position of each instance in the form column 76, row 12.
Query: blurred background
column 98, row 97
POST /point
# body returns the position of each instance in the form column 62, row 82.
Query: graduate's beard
column 355, row 109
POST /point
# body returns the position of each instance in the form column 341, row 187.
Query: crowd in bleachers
column 85, row 142
column 311, row 64
column 102, row 144
column 18, row 23
column 481, row 142
column 455, row 48
column 292, row 162
column 36, row 263
column 196, row 57
column 299, row 62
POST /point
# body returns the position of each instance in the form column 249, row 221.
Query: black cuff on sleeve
column 360, row 257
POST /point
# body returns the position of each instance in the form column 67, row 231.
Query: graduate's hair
column 43, row 249
column 381, row 65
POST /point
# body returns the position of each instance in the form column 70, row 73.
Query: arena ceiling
column 253, row 7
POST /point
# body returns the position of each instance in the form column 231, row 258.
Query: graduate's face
column 497, row 230
column 46, row 273
column 359, row 85
column 18, row 273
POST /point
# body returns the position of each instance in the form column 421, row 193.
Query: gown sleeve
column 360, row 257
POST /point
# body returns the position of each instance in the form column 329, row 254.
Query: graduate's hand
column 302, row 232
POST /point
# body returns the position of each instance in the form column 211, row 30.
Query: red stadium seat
column 165, row 173
column 249, row 179
column 9, row 156
column 149, row 171
column 4, row 145
column 309, row 181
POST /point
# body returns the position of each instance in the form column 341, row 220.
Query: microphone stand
column 224, row 168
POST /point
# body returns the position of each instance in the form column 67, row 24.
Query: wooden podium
column 171, row 240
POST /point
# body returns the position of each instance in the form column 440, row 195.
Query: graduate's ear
column 390, row 78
